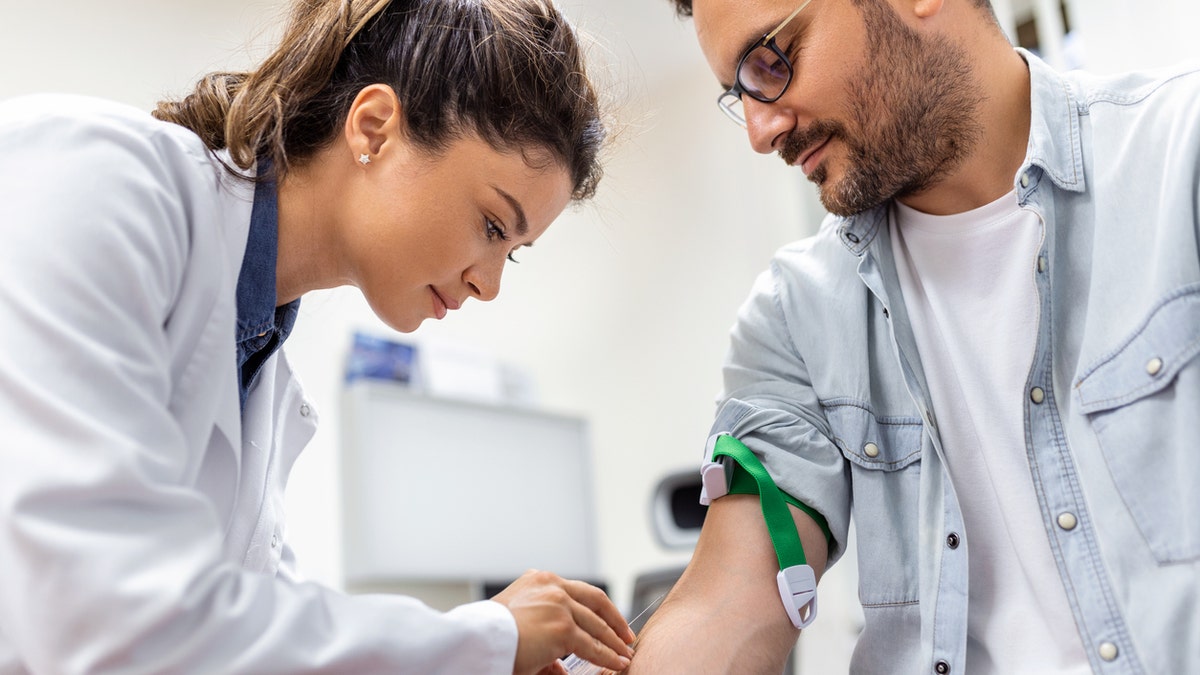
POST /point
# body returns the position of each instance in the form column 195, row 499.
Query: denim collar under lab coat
column 261, row 326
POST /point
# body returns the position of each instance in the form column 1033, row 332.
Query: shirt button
column 952, row 540
column 941, row 668
column 1037, row 395
column 852, row 238
column 1025, row 182
column 304, row 410
column 1067, row 520
column 1154, row 367
column 1108, row 651
column 871, row 450
column 275, row 541
column 1041, row 263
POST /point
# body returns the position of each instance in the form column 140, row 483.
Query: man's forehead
column 726, row 28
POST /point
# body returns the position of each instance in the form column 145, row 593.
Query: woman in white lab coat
column 150, row 268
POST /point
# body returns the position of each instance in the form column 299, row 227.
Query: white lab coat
column 141, row 515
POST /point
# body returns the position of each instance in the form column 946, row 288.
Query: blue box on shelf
column 378, row 358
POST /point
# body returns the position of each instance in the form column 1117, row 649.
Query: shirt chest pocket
column 1143, row 401
column 883, row 456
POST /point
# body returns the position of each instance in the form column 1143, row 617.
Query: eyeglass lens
column 731, row 104
column 764, row 73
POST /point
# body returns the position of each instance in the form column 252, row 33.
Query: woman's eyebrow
column 522, row 225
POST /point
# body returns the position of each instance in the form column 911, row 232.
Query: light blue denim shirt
column 823, row 362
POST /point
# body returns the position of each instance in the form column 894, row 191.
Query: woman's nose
column 484, row 280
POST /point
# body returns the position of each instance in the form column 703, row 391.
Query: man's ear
column 375, row 124
column 925, row 9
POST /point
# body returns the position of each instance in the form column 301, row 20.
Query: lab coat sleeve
column 110, row 561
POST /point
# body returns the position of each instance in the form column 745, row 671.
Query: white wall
column 1119, row 35
column 128, row 50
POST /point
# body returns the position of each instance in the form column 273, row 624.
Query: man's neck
column 987, row 173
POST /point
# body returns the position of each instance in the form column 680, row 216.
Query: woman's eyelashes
column 493, row 229
column 496, row 230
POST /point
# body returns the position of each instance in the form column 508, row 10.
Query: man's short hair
column 684, row 7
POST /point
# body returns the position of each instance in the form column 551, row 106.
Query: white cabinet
column 438, row 490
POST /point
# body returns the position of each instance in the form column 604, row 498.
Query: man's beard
column 912, row 117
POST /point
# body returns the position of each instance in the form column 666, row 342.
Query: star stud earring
column 364, row 159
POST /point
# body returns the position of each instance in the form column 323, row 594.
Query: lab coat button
column 1108, row 651
column 1154, row 367
column 1025, row 180
column 871, row 450
column 942, row 668
column 1067, row 521
column 275, row 541
column 1037, row 395
column 304, row 410
column 952, row 540
column 1041, row 263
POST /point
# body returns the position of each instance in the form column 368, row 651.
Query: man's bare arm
column 724, row 615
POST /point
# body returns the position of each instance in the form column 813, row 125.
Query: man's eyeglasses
column 763, row 73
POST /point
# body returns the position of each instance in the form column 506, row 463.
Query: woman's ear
column 375, row 123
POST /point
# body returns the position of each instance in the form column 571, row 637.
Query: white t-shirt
column 969, row 286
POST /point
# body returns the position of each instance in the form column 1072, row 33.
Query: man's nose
column 767, row 124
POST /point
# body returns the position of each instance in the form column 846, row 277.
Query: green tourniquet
column 743, row 484
column 751, row 477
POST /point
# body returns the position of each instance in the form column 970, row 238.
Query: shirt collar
column 256, row 292
column 1055, row 141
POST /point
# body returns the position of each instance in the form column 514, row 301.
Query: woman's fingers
column 598, row 602
column 596, row 641
column 556, row 668
column 556, row 617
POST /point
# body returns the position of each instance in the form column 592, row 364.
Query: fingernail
column 624, row 662
column 629, row 651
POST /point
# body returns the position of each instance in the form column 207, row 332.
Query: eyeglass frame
column 737, row 89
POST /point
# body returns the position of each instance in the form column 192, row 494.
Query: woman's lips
column 439, row 304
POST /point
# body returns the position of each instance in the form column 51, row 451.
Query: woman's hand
column 557, row 616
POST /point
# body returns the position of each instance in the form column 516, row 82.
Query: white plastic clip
column 797, row 590
column 714, row 483
column 714, row 475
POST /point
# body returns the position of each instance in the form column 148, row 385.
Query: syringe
column 577, row 666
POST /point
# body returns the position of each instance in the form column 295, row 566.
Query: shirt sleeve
column 111, row 560
column 769, row 405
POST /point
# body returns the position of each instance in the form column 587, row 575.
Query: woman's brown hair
column 509, row 71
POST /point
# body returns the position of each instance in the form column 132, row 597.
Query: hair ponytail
column 509, row 71
column 246, row 113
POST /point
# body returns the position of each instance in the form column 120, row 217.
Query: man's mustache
column 800, row 141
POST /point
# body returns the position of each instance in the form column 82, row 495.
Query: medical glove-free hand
column 557, row 616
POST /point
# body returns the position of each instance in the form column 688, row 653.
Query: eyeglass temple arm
column 768, row 36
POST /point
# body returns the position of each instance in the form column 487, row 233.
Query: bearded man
column 987, row 358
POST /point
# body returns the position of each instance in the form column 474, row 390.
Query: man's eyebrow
column 746, row 47
column 522, row 225
column 759, row 39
